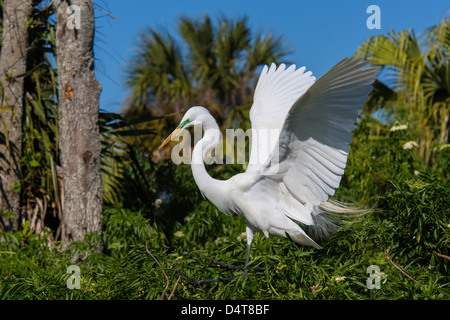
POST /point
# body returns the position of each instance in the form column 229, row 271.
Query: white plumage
column 301, row 131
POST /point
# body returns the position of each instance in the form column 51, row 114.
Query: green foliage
column 124, row 228
column 209, row 63
column 420, row 212
column 157, row 228
column 41, row 186
column 418, row 72
column 163, row 192
column 407, row 237
column 378, row 154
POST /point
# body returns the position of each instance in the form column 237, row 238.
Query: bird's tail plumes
column 331, row 216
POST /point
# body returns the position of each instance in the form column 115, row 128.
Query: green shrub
column 420, row 210
column 151, row 245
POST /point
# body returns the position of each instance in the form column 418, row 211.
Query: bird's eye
column 184, row 123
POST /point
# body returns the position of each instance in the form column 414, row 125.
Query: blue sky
column 320, row 33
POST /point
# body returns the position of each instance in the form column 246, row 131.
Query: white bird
column 289, row 179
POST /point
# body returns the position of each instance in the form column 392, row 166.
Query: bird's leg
column 249, row 233
column 247, row 256
column 223, row 265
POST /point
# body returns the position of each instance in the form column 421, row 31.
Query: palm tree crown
column 417, row 82
column 213, row 65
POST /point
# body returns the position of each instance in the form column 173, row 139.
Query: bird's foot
column 230, row 267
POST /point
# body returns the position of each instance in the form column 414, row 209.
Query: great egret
column 289, row 185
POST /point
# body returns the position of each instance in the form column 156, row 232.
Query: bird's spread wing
column 313, row 145
column 275, row 93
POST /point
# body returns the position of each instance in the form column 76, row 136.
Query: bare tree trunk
column 12, row 69
column 78, row 107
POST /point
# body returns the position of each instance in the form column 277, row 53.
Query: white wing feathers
column 275, row 93
column 313, row 145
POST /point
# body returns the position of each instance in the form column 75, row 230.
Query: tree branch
column 397, row 267
column 159, row 264
column 441, row 255
column 174, row 287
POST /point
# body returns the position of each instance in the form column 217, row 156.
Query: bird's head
column 193, row 117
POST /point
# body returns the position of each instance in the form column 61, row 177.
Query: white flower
column 409, row 145
column 158, row 202
column 178, row 234
column 399, row 127
column 383, row 276
column 340, row 278
column 242, row 236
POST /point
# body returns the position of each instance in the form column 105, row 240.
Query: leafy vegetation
column 407, row 236
column 417, row 71
column 217, row 69
column 157, row 228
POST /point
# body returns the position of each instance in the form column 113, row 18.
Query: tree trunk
column 12, row 69
column 78, row 107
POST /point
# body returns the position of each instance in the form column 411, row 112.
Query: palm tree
column 418, row 80
column 215, row 65
column 41, row 187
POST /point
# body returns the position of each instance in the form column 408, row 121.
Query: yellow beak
column 169, row 138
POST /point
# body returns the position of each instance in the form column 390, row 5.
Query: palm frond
column 418, row 72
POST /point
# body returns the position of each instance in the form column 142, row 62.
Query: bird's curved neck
column 211, row 188
column 203, row 147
